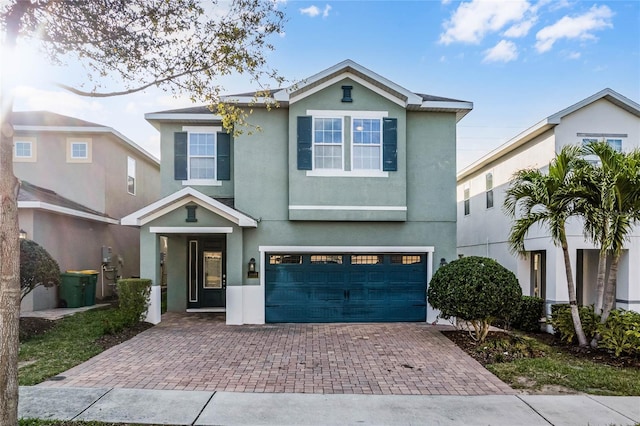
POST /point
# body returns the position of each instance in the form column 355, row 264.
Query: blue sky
column 518, row 61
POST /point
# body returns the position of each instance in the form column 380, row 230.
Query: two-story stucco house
column 337, row 210
column 483, row 227
column 78, row 180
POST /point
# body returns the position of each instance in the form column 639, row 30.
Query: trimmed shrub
column 475, row 289
column 621, row 332
column 562, row 322
column 527, row 317
column 133, row 295
column 37, row 267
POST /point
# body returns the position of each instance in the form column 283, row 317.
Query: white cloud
column 311, row 11
column 574, row 55
column 57, row 101
column 473, row 20
column 578, row 27
column 520, row 29
column 504, row 51
column 446, row 1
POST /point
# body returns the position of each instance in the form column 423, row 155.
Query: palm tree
column 608, row 199
column 537, row 198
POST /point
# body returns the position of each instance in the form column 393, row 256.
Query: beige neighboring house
column 78, row 179
column 483, row 227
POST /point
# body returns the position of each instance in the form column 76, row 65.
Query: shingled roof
column 43, row 197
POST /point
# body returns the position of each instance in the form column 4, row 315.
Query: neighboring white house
column 483, row 227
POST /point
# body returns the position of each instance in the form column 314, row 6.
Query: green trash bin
column 90, row 287
column 72, row 289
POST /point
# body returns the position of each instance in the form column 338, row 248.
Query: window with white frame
column 327, row 143
column 78, row 150
column 24, row 149
column 489, row 189
column 467, row 200
column 202, row 156
column 131, row 176
column 613, row 142
column 367, row 143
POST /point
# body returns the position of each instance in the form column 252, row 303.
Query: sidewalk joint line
column 610, row 408
column 203, row 407
column 92, row 404
column 534, row 410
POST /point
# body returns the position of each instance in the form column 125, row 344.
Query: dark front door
column 207, row 276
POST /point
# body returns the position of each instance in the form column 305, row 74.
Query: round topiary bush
column 475, row 289
column 37, row 267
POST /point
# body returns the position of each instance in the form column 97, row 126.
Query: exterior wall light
column 23, row 234
column 443, row 262
column 251, row 270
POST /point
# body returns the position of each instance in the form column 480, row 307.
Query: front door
column 207, row 273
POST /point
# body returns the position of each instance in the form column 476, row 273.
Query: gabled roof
column 549, row 123
column 35, row 197
column 41, row 121
column 317, row 82
column 185, row 196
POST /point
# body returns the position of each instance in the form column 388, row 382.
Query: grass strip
column 557, row 368
column 71, row 342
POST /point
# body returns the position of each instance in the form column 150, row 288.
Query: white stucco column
column 150, row 269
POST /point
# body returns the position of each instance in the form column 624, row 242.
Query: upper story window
column 24, row 149
column 467, row 200
column 78, row 150
column 131, row 176
column 202, row 155
column 368, row 148
column 367, row 144
column 489, row 189
column 327, row 143
column 614, row 140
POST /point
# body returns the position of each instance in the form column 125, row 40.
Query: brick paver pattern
column 201, row 352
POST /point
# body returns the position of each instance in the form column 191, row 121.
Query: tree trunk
column 9, row 232
column 575, row 314
column 9, row 280
column 610, row 293
column 600, row 284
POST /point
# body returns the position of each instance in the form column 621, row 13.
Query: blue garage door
column 345, row 287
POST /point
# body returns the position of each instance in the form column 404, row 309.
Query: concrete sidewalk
column 230, row 408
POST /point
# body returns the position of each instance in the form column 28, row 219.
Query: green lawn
column 562, row 369
column 69, row 343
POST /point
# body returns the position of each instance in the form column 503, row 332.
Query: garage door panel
column 373, row 290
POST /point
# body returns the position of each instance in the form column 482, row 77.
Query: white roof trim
column 452, row 105
column 170, row 116
column 65, row 211
column 87, row 129
column 506, row 147
column 546, row 124
column 412, row 98
column 355, row 78
column 182, row 197
column 190, row 229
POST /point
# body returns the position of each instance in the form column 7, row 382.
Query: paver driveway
column 200, row 352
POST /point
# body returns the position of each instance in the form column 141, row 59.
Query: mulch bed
column 492, row 352
column 31, row 327
column 109, row 340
